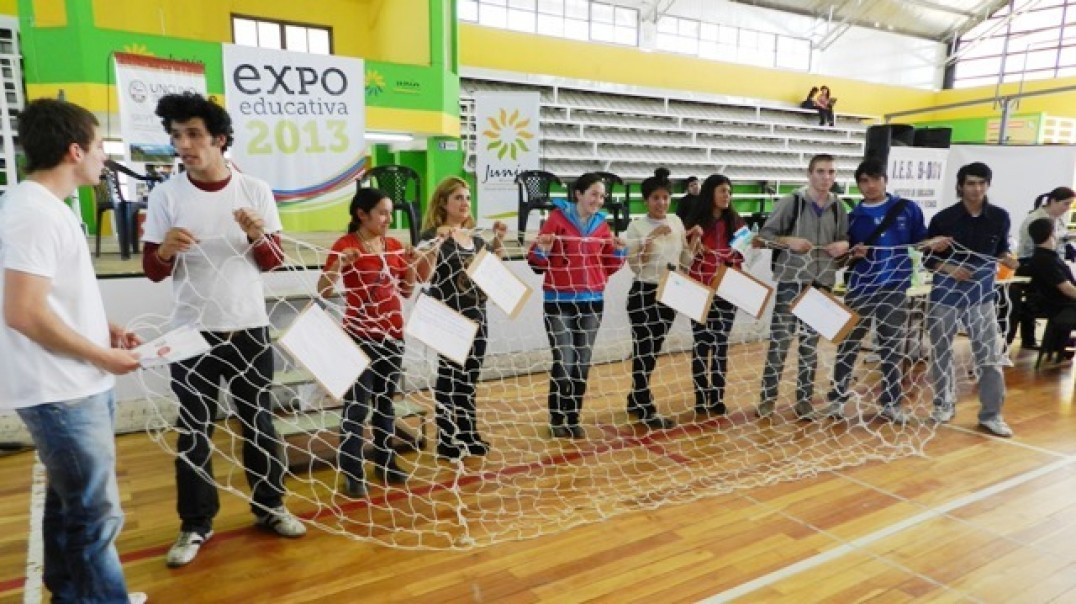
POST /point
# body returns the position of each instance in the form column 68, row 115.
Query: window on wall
column 281, row 35
column 572, row 19
column 732, row 44
column 1031, row 40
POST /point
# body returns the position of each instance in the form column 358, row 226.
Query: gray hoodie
column 815, row 266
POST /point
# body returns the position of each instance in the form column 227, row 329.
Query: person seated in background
column 808, row 103
column 1052, row 286
column 824, row 103
column 1055, row 206
column 689, row 199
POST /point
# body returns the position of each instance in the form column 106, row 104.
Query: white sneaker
column 894, row 415
column 137, row 598
column 185, row 548
column 943, row 414
column 997, row 427
column 282, row 522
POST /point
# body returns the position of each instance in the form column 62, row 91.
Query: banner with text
column 299, row 121
column 508, row 141
column 918, row 173
column 140, row 82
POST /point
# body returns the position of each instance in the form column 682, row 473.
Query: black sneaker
column 658, row 422
column 449, row 452
column 559, row 432
column 477, row 447
column 576, row 431
column 391, row 473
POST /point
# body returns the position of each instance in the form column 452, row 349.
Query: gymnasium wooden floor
column 975, row 519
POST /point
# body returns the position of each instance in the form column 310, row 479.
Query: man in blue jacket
column 880, row 230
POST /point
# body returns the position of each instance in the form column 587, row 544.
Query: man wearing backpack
column 878, row 275
column 808, row 231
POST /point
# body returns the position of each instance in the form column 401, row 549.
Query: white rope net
column 530, row 483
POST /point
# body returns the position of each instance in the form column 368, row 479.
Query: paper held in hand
column 825, row 314
column 444, row 330
column 685, row 295
column 318, row 343
column 177, row 345
column 507, row 291
column 742, row 290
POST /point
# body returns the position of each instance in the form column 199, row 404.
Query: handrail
column 994, row 99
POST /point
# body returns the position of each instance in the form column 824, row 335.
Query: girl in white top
column 656, row 244
column 1054, row 205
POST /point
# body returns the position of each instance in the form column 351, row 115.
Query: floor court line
column 35, row 547
column 859, row 543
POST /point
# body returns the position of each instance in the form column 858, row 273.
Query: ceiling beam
column 866, row 23
column 942, row 8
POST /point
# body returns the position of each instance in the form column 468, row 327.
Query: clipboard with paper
column 685, row 295
column 319, row 343
column 506, row 290
column 742, row 290
column 438, row 326
column 824, row 313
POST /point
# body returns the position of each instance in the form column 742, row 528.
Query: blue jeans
column 82, row 517
column 572, row 328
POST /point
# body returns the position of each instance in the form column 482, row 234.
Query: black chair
column 126, row 213
column 534, row 194
column 404, row 187
column 619, row 209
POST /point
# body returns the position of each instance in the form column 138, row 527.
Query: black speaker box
column 881, row 137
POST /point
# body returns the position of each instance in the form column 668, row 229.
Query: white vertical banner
column 507, row 142
column 299, row 121
column 918, row 173
column 140, row 82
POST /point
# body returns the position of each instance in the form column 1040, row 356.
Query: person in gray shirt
column 808, row 230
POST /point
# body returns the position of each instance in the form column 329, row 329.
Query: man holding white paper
column 808, row 230
column 60, row 352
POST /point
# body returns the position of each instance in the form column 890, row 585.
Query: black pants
column 650, row 324
column 1064, row 321
column 373, row 390
column 711, row 346
column 456, row 388
column 244, row 360
column 1013, row 310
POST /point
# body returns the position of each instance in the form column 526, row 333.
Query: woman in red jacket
column 718, row 221
column 378, row 274
column 578, row 253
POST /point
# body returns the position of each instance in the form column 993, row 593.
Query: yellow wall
column 529, row 53
column 356, row 24
column 50, row 13
column 1062, row 104
column 9, row 7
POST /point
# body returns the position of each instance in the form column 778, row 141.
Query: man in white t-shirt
column 60, row 352
column 213, row 230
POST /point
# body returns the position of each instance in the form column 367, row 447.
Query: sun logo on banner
column 508, row 134
column 138, row 49
column 375, row 83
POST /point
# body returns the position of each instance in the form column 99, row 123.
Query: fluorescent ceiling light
column 389, row 137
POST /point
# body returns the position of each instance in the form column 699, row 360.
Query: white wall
column 860, row 53
column 1020, row 174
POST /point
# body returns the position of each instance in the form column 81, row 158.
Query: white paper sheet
column 442, row 329
column 318, row 343
column 177, row 345
column 821, row 313
column 741, row 240
column 686, row 296
column 504, row 289
column 744, row 292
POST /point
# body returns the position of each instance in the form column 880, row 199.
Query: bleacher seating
column 589, row 126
